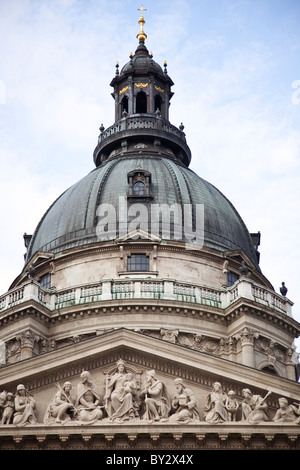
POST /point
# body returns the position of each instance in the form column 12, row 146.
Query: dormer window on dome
column 139, row 182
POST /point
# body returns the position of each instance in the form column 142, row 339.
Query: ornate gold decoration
column 123, row 90
column 141, row 85
column 159, row 89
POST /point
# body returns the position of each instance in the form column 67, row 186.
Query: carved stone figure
column 61, row 406
column 155, row 398
column 215, row 410
column 125, row 401
column 130, row 386
column 287, row 413
column 8, row 409
column 88, row 408
column 184, row 405
column 231, row 405
column 24, row 407
column 120, row 394
column 254, row 407
column 169, row 335
column 2, row 401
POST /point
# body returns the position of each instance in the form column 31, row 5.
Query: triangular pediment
column 240, row 255
column 138, row 235
column 143, row 357
column 141, row 352
column 40, row 257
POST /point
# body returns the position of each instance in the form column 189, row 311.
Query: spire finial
column 142, row 36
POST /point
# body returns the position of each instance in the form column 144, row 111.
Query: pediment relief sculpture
column 215, row 410
column 140, row 396
column 61, row 406
column 24, row 407
column 121, row 394
column 254, row 407
column 184, row 404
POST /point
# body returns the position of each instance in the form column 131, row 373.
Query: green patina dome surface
column 71, row 220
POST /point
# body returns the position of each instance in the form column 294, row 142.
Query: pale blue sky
column 234, row 64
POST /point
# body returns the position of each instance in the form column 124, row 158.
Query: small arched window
column 157, row 103
column 139, row 182
column 124, row 105
column 139, row 188
column 270, row 370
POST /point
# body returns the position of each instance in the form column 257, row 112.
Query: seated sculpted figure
column 215, row 409
column 24, row 407
column 254, row 407
column 287, row 413
column 120, row 394
column 155, row 398
column 88, row 408
column 61, row 407
column 184, row 405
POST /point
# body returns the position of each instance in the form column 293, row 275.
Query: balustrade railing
column 122, row 290
column 16, row 296
column 65, row 298
column 91, row 293
column 260, row 293
column 210, row 297
column 184, row 292
column 152, row 290
column 140, row 122
column 164, row 289
column 3, row 302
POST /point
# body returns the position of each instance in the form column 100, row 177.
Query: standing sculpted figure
column 231, row 405
column 61, row 407
column 3, row 396
column 287, row 413
column 24, row 407
column 215, row 410
column 155, row 398
column 8, row 409
column 88, row 409
column 184, row 405
column 254, row 407
column 120, row 393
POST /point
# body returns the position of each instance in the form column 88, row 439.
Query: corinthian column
column 247, row 341
column 27, row 339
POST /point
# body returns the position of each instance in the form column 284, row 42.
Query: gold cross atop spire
column 142, row 36
column 142, row 9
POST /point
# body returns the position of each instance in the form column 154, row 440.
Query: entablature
column 154, row 438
